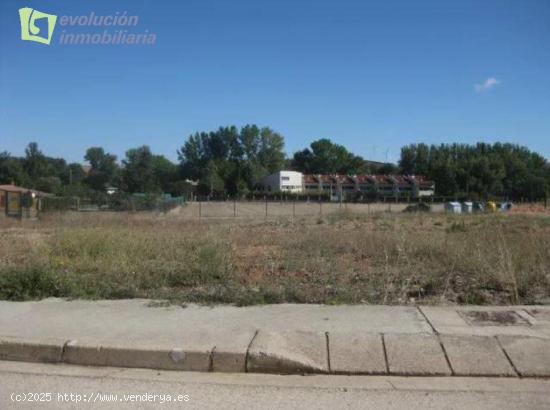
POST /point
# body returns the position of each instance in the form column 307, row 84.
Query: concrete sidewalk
column 290, row 339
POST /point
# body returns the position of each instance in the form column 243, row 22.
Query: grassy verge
column 342, row 258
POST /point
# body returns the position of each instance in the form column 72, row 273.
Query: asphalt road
column 76, row 387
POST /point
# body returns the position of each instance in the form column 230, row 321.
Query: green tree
column 104, row 169
column 270, row 153
column 212, row 183
column 387, row 169
column 139, row 171
column 49, row 184
column 481, row 170
column 11, row 170
column 165, row 172
column 35, row 163
column 73, row 175
column 236, row 159
column 325, row 157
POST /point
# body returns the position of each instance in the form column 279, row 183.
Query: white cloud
column 489, row 83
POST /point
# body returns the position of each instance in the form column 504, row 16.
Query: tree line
column 232, row 161
column 481, row 170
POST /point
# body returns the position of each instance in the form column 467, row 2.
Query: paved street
column 115, row 388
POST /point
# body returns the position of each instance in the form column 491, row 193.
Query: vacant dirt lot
column 336, row 257
column 277, row 209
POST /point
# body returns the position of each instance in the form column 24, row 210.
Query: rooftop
column 15, row 188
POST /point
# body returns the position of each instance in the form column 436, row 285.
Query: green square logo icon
column 30, row 31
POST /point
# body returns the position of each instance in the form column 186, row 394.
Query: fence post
column 320, row 207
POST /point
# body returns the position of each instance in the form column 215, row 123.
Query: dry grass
column 342, row 257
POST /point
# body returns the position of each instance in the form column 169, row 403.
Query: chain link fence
column 284, row 209
column 135, row 202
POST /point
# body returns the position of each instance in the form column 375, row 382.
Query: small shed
column 20, row 202
column 467, row 207
column 453, row 207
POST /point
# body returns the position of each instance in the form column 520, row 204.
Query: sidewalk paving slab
column 530, row 355
column 458, row 320
column 356, row 354
column 288, row 352
column 87, row 319
column 476, row 356
column 415, row 355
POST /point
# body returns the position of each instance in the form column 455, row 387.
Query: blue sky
column 372, row 75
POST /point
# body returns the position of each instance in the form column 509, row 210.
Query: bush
column 420, row 207
column 30, row 283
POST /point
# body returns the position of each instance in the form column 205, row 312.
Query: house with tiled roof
column 354, row 186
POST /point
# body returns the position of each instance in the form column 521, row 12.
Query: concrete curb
column 129, row 356
column 288, row 353
column 29, row 350
column 311, row 352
